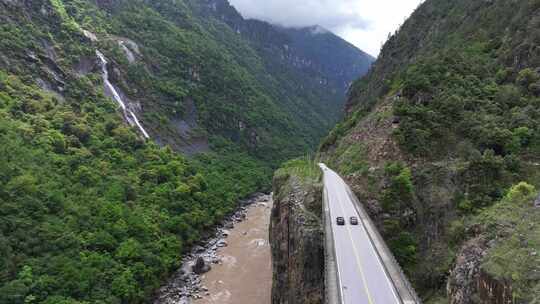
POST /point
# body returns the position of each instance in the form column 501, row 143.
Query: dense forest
column 185, row 65
column 90, row 211
column 441, row 141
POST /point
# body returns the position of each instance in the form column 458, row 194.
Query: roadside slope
column 438, row 132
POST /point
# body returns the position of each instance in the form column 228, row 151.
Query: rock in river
column 201, row 266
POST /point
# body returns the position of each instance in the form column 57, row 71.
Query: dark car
column 354, row 220
column 340, row 221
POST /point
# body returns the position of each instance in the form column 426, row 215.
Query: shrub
column 520, row 193
column 534, row 88
column 399, row 194
column 527, row 77
column 404, row 248
column 508, row 95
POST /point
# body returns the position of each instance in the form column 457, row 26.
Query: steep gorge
column 105, row 108
column 440, row 141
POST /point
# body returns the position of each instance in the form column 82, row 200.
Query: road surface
column 362, row 277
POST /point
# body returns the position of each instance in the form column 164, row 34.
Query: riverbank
column 244, row 275
column 231, row 266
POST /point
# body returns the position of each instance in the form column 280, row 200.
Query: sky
column 364, row 23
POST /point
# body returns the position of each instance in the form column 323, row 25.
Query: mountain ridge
column 288, row 43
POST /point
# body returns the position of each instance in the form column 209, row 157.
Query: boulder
column 198, row 249
column 201, row 266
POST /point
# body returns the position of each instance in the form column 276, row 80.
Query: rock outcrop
column 462, row 284
column 297, row 242
column 493, row 291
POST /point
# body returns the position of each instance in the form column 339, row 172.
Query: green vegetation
column 341, row 130
column 306, row 168
column 230, row 171
column 463, row 81
column 442, row 107
column 513, row 223
column 399, row 194
column 67, row 21
column 397, row 199
column 353, row 159
column 91, row 213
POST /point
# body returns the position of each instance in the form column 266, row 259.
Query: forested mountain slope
column 309, row 59
column 190, row 75
column 90, row 210
column 442, row 143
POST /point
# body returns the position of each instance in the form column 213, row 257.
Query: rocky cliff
column 297, row 240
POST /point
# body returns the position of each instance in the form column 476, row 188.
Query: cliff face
column 494, row 291
column 462, row 284
column 297, row 242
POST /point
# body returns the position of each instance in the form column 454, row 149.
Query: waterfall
column 129, row 54
column 128, row 114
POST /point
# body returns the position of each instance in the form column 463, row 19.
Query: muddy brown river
column 245, row 274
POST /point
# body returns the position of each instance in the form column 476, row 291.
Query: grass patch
column 305, row 167
column 513, row 222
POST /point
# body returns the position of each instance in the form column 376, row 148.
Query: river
column 245, row 274
column 240, row 259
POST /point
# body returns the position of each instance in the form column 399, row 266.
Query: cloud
column 331, row 14
column 364, row 23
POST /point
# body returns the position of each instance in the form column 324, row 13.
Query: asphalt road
column 361, row 274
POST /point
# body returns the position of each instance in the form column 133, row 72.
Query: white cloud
column 365, row 23
column 328, row 13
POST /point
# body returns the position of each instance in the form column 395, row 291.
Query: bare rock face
column 493, row 291
column 201, row 266
column 537, row 202
column 297, row 242
column 462, row 285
